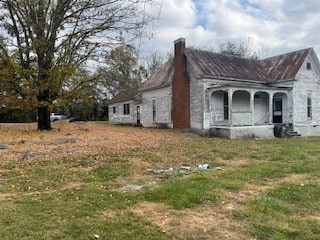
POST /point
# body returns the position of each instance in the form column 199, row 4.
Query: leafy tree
column 81, row 96
column 122, row 70
column 44, row 42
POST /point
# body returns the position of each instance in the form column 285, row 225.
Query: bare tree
column 154, row 62
column 243, row 49
column 45, row 41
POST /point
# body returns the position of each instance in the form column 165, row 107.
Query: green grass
column 286, row 212
column 185, row 193
column 80, row 198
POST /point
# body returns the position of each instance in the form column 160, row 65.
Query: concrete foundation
column 243, row 132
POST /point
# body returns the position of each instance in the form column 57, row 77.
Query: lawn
column 98, row 181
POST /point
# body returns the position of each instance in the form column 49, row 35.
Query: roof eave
column 282, row 80
column 154, row 88
column 234, row 85
column 232, row 79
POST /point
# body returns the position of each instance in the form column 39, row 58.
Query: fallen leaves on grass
column 24, row 142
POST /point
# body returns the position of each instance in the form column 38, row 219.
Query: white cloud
column 279, row 25
column 180, row 13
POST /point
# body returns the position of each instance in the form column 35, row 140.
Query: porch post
column 252, row 106
column 207, row 113
column 230, row 96
column 270, row 107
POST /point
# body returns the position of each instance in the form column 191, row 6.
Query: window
column 154, row 110
column 225, row 106
column 126, row 109
column 114, row 110
column 309, row 106
column 170, row 106
column 277, row 104
column 308, row 66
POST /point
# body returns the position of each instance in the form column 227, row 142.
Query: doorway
column 277, row 110
column 138, row 115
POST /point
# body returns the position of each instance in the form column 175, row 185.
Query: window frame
column 126, row 109
column 309, row 106
column 309, row 66
column 170, row 107
column 154, row 110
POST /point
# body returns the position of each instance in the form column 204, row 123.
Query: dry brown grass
column 199, row 223
column 76, row 139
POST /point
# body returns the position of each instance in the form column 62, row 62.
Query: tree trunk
column 44, row 119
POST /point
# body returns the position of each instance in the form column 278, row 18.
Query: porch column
column 207, row 113
column 230, row 96
column 270, row 107
column 252, row 106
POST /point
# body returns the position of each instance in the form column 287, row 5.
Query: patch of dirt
column 8, row 196
column 69, row 186
column 234, row 200
column 80, row 169
column 200, row 223
column 236, row 162
column 292, row 178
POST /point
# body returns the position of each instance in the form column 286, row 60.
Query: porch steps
column 287, row 131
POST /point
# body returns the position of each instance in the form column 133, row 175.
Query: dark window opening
column 308, row 66
column 114, row 110
column 126, row 109
column 277, row 105
column 170, row 104
column 309, row 107
column 225, row 106
column 154, row 110
column 138, row 115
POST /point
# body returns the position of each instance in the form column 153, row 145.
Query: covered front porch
column 247, row 112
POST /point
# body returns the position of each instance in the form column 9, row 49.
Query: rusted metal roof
column 211, row 64
column 222, row 66
column 162, row 78
column 285, row 66
column 124, row 96
column 216, row 65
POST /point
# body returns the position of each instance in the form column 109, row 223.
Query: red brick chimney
column 180, row 87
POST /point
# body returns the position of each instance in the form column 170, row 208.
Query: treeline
column 17, row 116
column 95, row 112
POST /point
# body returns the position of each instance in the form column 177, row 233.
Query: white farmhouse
column 222, row 95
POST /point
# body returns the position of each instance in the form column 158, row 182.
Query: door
column 138, row 116
column 277, row 110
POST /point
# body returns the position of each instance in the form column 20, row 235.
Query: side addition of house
column 222, row 95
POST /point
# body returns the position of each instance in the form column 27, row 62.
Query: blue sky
column 273, row 26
